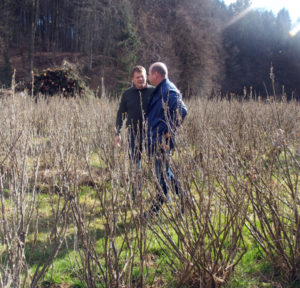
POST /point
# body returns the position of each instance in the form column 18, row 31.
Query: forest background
column 208, row 47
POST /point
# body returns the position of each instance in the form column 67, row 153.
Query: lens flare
column 238, row 17
column 295, row 30
column 275, row 6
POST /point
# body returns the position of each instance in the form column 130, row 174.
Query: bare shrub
column 113, row 255
column 272, row 183
column 254, row 154
column 205, row 243
column 64, row 184
column 22, row 219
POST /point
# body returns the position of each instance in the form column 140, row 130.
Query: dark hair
column 139, row 69
column 160, row 68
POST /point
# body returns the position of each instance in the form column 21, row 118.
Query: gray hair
column 160, row 68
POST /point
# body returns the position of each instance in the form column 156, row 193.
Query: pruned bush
column 65, row 187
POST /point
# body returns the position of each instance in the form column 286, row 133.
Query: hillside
column 210, row 48
column 44, row 60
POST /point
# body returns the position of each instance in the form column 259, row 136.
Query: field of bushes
column 67, row 218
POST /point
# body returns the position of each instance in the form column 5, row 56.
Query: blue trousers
column 165, row 178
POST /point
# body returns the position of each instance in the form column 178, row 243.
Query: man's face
column 139, row 80
column 151, row 77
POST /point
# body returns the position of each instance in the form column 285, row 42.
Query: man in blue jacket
column 165, row 113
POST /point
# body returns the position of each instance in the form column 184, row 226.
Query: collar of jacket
column 133, row 86
column 160, row 84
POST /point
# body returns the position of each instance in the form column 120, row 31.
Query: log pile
column 58, row 81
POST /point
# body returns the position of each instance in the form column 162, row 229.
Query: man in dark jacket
column 133, row 107
column 165, row 113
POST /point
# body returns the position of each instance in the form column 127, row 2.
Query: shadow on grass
column 39, row 252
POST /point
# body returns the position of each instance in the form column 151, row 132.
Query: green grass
column 63, row 269
column 247, row 272
column 252, row 271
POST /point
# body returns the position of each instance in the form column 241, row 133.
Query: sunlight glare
column 238, row 17
column 293, row 6
column 295, row 30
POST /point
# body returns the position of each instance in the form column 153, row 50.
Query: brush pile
column 58, row 81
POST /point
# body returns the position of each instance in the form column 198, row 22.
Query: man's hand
column 118, row 140
column 166, row 142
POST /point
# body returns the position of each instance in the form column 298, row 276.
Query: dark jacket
column 133, row 106
column 165, row 112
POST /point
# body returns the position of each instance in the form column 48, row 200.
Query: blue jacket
column 165, row 112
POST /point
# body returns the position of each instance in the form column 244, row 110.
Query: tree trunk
column 54, row 30
column 35, row 5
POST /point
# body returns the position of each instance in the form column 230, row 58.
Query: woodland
column 208, row 47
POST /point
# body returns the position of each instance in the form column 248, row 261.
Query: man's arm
column 177, row 110
column 121, row 114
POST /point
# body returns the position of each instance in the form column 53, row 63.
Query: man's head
column 158, row 71
column 139, row 77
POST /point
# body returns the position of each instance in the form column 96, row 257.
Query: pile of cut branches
column 62, row 80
